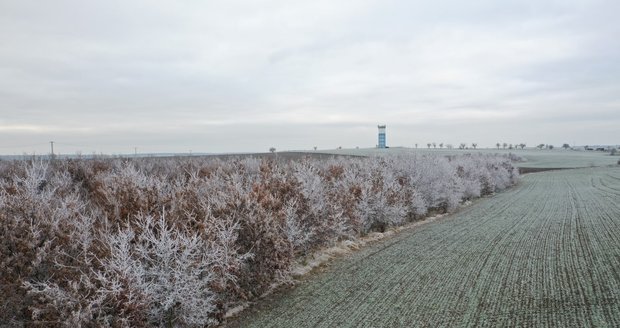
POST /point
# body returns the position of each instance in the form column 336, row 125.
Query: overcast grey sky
column 233, row 76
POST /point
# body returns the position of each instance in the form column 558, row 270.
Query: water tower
column 381, row 136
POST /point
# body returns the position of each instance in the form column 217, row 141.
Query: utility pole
column 52, row 145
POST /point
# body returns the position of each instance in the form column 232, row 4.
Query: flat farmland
column 544, row 254
column 532, row 158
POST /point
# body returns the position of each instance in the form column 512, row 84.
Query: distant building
column 381, row 136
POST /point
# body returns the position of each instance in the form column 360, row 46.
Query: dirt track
column 544, row 254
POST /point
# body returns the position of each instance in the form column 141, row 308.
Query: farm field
column 533, row 158
column 543, row 254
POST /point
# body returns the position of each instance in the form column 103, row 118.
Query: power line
column 72, row 145
column 24, row 146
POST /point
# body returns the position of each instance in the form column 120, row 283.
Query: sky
column 154, row 76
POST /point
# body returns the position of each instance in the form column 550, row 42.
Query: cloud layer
column 227, row 76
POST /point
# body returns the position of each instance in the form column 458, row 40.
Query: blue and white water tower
column 381, row 136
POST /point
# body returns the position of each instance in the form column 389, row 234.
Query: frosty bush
column 170, row 270
column 176, row 242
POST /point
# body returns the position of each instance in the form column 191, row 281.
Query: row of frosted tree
column 179, row 241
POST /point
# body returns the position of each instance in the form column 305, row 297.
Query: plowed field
column 544, row 254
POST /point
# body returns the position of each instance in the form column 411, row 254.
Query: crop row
column 145, row 242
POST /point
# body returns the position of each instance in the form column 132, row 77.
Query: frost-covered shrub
column 262, row 221
column 324, row 208
column 150, row 273
column 127, row 190
column 170, row 271
column 38, row 213
column 168, row 241
column 380, row 203
column 437, row 181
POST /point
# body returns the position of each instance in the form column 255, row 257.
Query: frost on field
column 167, row 241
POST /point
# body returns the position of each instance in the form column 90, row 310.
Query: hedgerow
column 178, row 241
